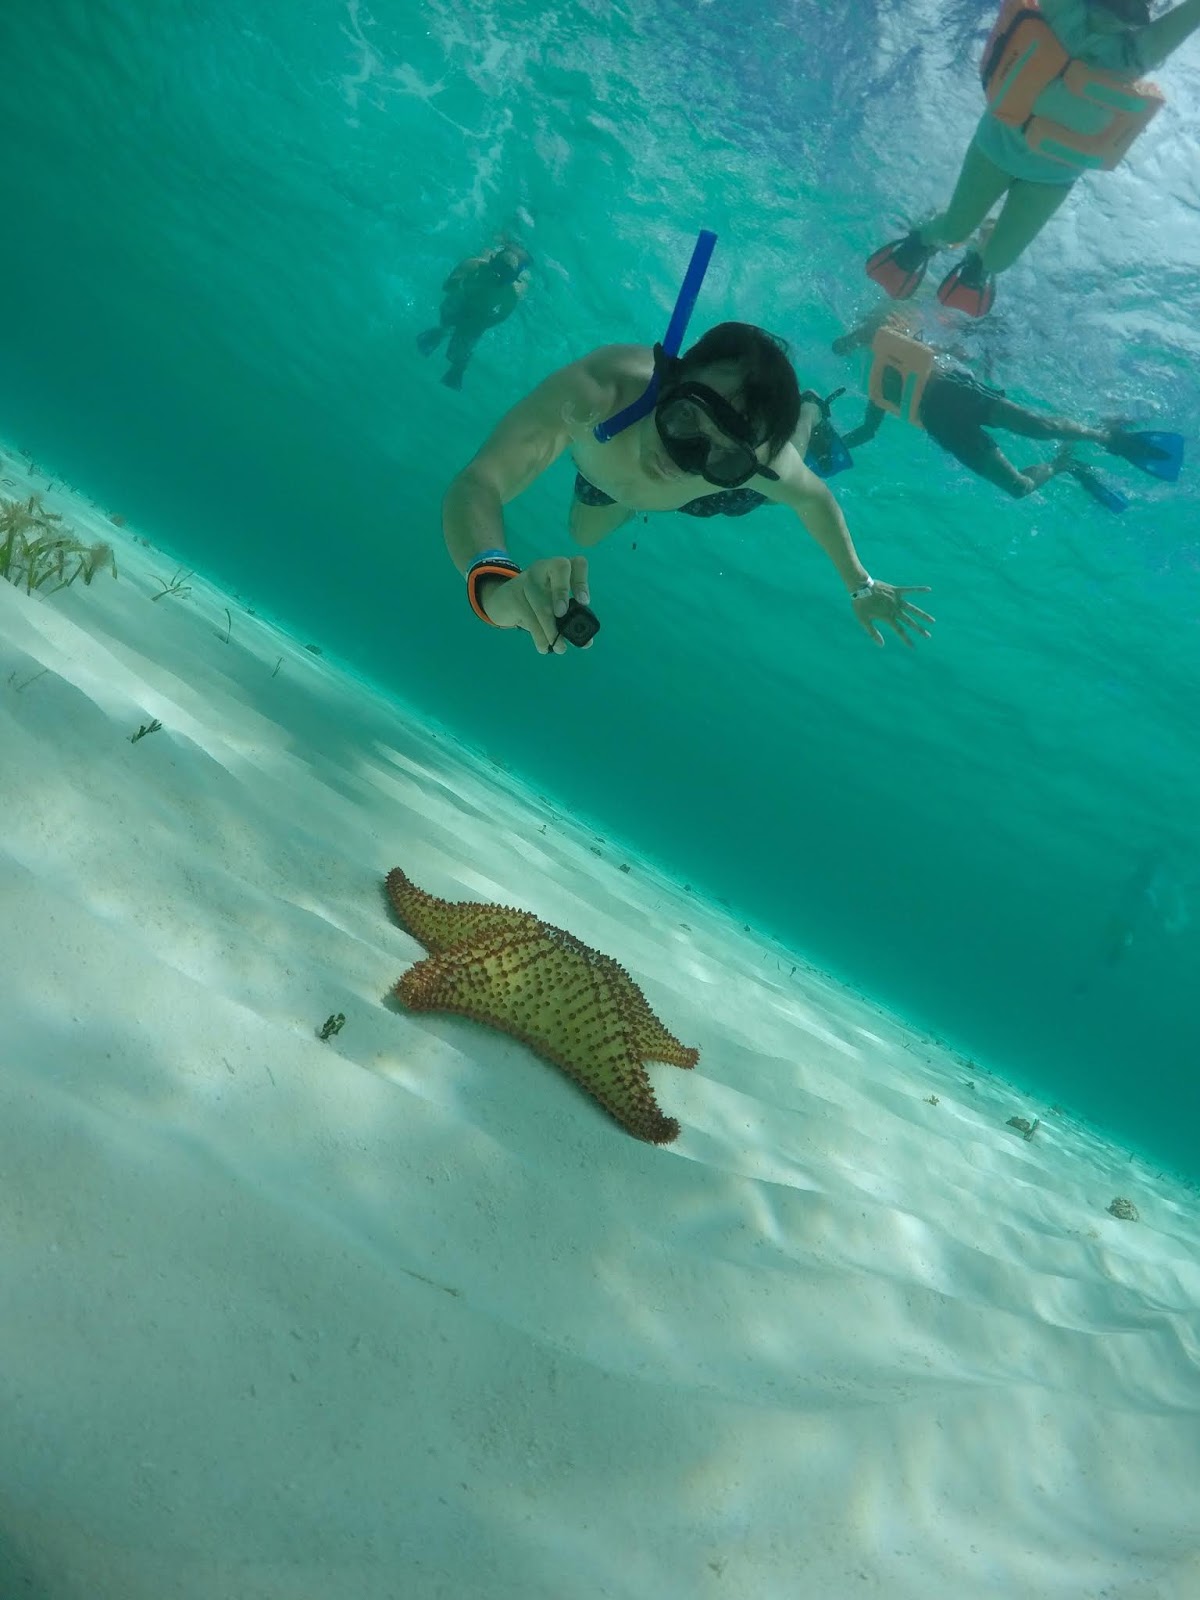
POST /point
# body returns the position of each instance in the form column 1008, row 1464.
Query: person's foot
column 428, row 341
column 968, row 287
column 899, row 267
column 453, row 377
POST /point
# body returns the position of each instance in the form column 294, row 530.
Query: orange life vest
column 1023, row 56
column 900, row 369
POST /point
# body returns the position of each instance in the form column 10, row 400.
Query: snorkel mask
column 701, row 432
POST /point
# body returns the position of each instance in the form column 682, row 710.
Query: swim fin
column 1159, row 454
column 827, row 452
column 428, row 341
column 899, row 268
column 1103, row 494
column 967, row 287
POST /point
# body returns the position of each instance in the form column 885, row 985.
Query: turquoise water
column 224, row 227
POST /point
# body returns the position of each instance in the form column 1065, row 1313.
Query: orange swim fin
column 899, row 267
column 968, row 287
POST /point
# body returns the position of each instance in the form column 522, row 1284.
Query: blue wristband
column 487, row 556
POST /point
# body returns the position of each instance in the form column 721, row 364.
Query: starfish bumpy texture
column 572, row 1005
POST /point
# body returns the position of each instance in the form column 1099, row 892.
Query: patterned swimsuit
column 725, row 503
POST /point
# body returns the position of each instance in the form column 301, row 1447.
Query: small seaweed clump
column 1125, row 1209
column 36, row 550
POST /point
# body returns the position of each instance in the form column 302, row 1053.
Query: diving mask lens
column 718, row 459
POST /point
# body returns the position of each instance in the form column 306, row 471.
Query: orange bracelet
column 488, row 567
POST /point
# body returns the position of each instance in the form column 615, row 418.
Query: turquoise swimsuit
column 1005, row 146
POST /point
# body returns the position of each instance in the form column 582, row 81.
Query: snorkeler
column 1060, row 80
column 910, row 380
column 721, row 430
column 479, row 294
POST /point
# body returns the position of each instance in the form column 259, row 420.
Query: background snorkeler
column 479, row 294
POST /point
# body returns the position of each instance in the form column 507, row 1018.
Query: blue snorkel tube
column 706, row 243
column 827, row 454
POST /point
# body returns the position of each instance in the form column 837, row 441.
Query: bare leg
column 995, row 466
column 1018, row 419
column 458, row 353
column 998, row 469
column 1028, row 207
column 980, row 184
column 590, row 524
column 1043, row 471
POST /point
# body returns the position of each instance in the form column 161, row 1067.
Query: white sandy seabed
column 403, row 1313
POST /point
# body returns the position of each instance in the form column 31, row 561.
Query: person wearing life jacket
column 910, row 380
column 1062, row 80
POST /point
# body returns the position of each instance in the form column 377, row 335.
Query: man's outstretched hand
column 885, row 603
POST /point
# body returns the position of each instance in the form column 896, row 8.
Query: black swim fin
column 899, row 268
column 428, row 341
column 968, row 287
column 1159, row 454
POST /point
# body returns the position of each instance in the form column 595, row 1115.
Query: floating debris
column 332, row 1025
column 1024, row 1127
column 153, row 726
column 1124, row 1209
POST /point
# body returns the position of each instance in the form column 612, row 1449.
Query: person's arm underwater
column 814, row 504
column 867, row 429
column 1162, row 37
column 526, row 440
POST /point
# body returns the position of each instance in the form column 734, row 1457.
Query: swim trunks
column 725, row 503
column 955, row 409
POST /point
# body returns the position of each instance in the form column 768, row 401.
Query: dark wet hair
column 768, row 395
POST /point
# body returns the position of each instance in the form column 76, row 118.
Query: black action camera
column 578, row 625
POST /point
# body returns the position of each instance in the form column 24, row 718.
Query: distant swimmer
column 1064, row 98
column 720, row 431
column 908, row 379
column 479, row 294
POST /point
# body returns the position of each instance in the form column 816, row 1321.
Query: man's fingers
column 912, row 588
column 560, row 587
column 915, row 611
column 579, row 578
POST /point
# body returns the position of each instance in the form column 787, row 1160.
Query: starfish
column 566, row 1001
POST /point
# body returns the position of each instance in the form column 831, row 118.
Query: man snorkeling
column 479, row 294
column 722, row 429
column 1060, row 79
column 910, row 380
